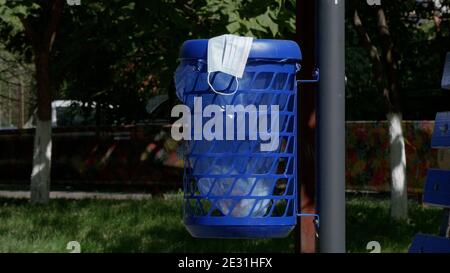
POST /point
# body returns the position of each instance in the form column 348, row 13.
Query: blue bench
column 430, row 244
column 437, row 188
column 437, row 193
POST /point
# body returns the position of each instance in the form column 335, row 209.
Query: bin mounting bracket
column 315, row 75
column 316, row 220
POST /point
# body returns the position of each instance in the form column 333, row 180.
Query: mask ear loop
column 222, row 93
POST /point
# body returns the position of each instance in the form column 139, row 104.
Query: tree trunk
column 42, row 37
column 399, row 195
column 42, row 156
column 42, row 151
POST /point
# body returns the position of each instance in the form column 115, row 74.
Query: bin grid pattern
column 233, row 183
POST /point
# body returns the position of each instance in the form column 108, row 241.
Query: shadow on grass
column 369, row 220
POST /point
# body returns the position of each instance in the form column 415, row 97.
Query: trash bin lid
column 261, row 49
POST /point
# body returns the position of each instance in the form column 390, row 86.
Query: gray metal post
column 331, row 126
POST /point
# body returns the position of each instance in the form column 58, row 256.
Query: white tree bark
column 399, row 196
column 42, row 154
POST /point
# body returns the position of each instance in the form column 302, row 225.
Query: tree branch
column 30, row 33
column 389, row 58
column 52, row 27
column 374, row 54
column 8, row 98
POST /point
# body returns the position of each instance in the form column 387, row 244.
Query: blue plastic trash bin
column 233, row 189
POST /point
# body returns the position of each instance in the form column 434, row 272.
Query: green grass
column 156, row 226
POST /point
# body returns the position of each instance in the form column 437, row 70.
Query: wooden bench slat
column 441, row 132
column 430, row 244
column 437, row 188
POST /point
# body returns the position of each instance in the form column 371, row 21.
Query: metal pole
column 331, row 126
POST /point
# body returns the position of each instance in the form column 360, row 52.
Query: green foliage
column 363, row 98
column 257, row 18
column 121, row 53
column 420, row 52
column 12, row 36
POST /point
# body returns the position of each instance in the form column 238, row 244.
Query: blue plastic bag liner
column 233, row 189
column 232, row 167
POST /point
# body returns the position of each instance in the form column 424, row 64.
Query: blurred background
column 106, row 70
column 112, row 67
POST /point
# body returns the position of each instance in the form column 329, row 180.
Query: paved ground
column 79, row 195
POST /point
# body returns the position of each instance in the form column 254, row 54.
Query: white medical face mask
column 228, row 54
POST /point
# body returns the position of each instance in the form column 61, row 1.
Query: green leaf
column 233, row 27
column 253, row 24
column 274, row 29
